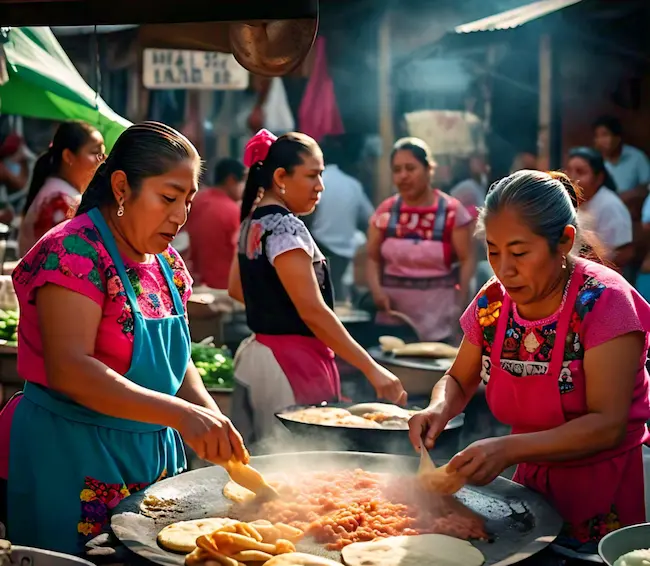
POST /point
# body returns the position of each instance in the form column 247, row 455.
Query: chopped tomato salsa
column 337, row 508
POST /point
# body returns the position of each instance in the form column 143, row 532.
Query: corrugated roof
column 516, row 17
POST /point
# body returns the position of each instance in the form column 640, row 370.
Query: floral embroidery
column 254, row 240
column 590, row 531
column 489, row 314
column 527, row 350
column 98, row 499
column 77, row 252
column 59, row 254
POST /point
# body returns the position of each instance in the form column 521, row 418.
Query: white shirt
column 631, row 170
column 606, row 216
column 342, row 208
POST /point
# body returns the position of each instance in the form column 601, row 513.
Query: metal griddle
column 521, row 522
column 383, row 441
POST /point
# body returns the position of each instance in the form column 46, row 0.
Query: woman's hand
column 387, row 386
column 381, row 300
column 211, row 435
column 427, row 425
column 484, row 460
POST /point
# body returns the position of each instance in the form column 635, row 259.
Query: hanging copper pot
column 274, row 47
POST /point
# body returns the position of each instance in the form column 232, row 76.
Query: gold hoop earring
column 120, row 211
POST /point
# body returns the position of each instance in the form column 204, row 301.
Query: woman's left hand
column 482, row 461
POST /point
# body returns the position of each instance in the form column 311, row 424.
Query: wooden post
column 385, row 108
column 545, row 102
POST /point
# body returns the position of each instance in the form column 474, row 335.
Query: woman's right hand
column 211, row 435
column 427, row 425
column 387, row 385
column 381, row 300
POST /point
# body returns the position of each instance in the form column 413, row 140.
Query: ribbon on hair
column 258, row 146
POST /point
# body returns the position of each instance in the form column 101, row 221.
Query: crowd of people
column 111, row 392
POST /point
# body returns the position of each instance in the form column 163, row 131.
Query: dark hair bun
column 575, row 194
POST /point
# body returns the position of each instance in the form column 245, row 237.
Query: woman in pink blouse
column 104, row 349
column 561, row 342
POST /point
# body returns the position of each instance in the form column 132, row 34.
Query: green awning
column 43, row 83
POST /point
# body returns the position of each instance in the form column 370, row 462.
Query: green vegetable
column 215, row 365
column 9, row 326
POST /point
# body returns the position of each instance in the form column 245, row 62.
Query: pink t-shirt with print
column 72, row 255
column 606, row 307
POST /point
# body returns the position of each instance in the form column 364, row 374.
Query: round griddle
column 521, row 522
column 382, row 441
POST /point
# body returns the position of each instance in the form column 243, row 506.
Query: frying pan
column 386, row 441
column 521, row 522
column 417, row 374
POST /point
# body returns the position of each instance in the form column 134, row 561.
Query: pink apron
column 308, row 365
column 418, row 274
column 594, row 495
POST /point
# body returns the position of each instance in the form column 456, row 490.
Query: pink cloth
column 72, row 256
column 258, row 147
column 308, row 365
column 435, row 310
column 535, row 381
column 319, row 114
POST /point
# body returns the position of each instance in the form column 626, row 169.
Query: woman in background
column 282, row 278
column 60, row 177
column 601, row 210
column 420, row 249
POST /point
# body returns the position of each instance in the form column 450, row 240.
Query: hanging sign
column 171, row 69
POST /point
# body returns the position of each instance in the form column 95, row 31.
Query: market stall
column 43, row 83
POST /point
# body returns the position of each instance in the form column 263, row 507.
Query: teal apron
column 70, row 466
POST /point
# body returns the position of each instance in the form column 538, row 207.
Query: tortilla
column 353, row 422
column 181, row 536
column 385, row 408
column 237, row 493
column 154, row 507
column 440, row 550
column 427, row 350
column 317, row 415
column 300, row 559
column 390, row 343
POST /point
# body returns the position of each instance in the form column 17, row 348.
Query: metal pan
column 382, row 441
column 521, row 522
column 417, row 374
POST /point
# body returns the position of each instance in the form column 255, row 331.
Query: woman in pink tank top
column 561, row 343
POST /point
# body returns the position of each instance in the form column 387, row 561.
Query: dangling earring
column 564, row 264
column 120, row 210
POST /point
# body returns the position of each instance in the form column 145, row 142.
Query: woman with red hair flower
column 282, row 278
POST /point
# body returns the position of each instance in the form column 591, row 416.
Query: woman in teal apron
column 100, row 416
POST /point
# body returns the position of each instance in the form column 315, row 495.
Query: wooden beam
column 385, row 108
column 545, row 102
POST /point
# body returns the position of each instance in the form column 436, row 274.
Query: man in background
column 630, row 169
column 212, row 227
column 628, row 166
column 343, row 210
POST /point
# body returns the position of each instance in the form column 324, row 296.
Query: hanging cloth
column 319, row 115
column 277, row 112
